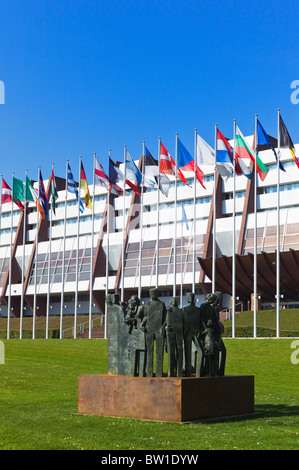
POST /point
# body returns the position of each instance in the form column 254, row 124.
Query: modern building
column 40, row 252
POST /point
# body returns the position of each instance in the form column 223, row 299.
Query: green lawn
column 39, row 398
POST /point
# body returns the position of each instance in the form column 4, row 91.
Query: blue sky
column 83, row 76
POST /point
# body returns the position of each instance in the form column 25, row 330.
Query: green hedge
column 27, row 334
column 261, row 331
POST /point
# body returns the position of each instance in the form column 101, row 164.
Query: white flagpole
column 234, row 241
column 141, row 222
column 175, row 216
column 278, row 233
column 77, row 256
column 107, row 252
column 255, row 239
column 23, row 266
column 9, row 273
column 36, row 259
column 91, row 251
column 194, row 210
column 63, row 257
column 124, row 225
column 214, row 219
column 181, row 291
column 158, row 216
column 49, row 265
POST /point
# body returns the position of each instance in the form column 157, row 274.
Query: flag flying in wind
column 151, row 174
column 184, row 218
column 117, row 176
column 286, row 141
column 186, row 162
column 72, row 187
column 54, row 193
column 84, row 185
column 18, row 192
column 42, row 196
column 7, row 195
column 167, row 164
column 225, row 159
column 264, row 140
column 205, row 153
column 102, row 179
column 243, row 150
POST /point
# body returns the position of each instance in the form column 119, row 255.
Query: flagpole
column 278, row 232
column 77, row 254
column 63, row 256
column 107, row 252
column 23, row 266
column 9, row 273
column 181, row 291
column 175, row 216
column 141, row 222
column 158, row 215
column 49, row 266
column 255, row 239
column 123, row 247
column 36, row 259
column 91, row 252
column 214, row 219
column 234, row 241
column 194, row 210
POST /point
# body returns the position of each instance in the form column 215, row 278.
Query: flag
column 102, row 179
column 43, row 198
column 205, row 153
column 72, row 187
column 243, row 150
column 264, row 141
column 286, row 141
column 225, row 159
column 7, row 195
column 18, row 192
column 167, row 164
column 186, row 162
column 31, row 194
column 184, row 218
column 54, row 193
column 151, row 173
column 84, row 185
column 116, row 176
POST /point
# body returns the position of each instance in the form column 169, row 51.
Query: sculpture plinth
column 173, row 399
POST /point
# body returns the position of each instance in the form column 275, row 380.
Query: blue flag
column 72, row 187
column 132, row 172
column 184, row 218
column 263, row 139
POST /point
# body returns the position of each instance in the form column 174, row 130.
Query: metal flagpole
column 234, row 240
column 107, row 252
column 49, row 266
column 91, row 252
column 36, row 259
column 141, row 222
column 158, row 216
column 255, row 238
column 175, row 216
column 124, row 225
column 77, row 256
column 194, row 210
column 214, row 218
column 63, row 256
column 9, row 273
column 23, row 265
column 278, row 232
column 181, row 291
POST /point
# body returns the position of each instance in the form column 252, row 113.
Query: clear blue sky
column 83, row 76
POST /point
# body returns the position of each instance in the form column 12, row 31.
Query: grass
column 39, row 400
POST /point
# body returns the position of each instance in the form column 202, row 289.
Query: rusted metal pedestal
column 175, row 399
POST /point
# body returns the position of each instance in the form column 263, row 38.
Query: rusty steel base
column 174, row 399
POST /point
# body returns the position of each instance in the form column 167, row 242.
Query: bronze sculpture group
column 139, row 335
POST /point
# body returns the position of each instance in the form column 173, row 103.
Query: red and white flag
column 102, row 179
column 167, row 164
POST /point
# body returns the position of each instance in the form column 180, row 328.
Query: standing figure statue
column 174, row 336
column 152, row 324
column 118, row 354
column 192, row 327
column 136, row 339
column 212, row 329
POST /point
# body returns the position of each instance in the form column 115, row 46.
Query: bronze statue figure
column 174, row 336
